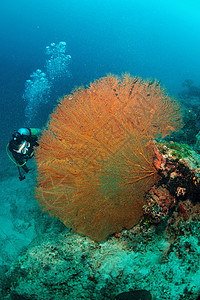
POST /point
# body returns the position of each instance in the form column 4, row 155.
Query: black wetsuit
column 21, row 158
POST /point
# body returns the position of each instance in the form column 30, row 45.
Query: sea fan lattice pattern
column 96, row 157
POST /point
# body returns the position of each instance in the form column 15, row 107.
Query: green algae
column 176, row 150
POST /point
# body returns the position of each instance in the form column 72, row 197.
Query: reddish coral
column 183, row 211
column 96, row 158
column 159, row 161
column 159, row 201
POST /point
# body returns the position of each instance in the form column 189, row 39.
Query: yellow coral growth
column 95, row 159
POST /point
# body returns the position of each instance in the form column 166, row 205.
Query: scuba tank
column 30, row 131
column 35, row 131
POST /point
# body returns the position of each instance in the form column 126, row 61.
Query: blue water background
column 157, row 39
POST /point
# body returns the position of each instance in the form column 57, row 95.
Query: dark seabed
column 87, row 40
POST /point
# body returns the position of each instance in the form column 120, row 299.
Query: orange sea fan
column 96, row 157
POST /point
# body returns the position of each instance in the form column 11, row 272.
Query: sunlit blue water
column 148, row 38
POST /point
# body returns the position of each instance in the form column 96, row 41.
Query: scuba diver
column 22, row 148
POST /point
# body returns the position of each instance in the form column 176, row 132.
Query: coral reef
column 68, row 266
column 189, row 98
column 179, row 168
column 190, row 90
column 159, row 255
column 197, row 145
column 159, row 201
column 96, row 159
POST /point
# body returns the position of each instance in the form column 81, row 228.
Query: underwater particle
column 96, row 157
